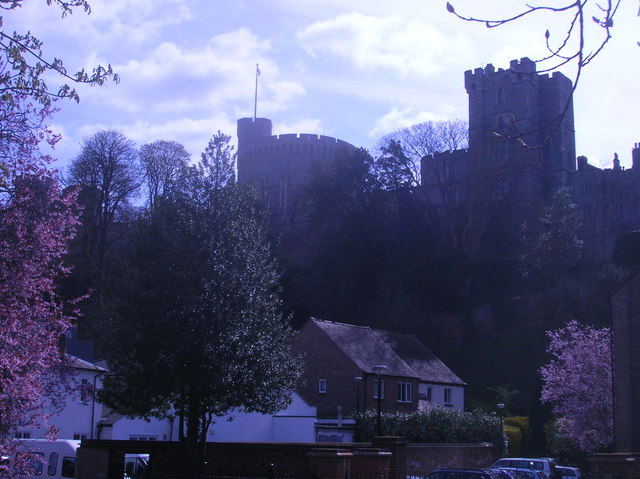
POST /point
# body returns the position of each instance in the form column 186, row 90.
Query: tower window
column 500, row 96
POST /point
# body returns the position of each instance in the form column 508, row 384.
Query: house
column 293, row 424
column 625, row 308
column 342, row 371
column 82, row 417
column 78, row 415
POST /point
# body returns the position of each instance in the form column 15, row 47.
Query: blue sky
column 345, row 68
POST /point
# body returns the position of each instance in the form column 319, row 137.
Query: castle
column 279, row 165
column 521, row 152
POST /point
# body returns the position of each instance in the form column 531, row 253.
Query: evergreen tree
column 198, row 327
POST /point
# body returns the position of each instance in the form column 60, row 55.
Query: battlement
column 292, row 143
column 475, row 79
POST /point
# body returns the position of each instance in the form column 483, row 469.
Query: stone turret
column 279, row 165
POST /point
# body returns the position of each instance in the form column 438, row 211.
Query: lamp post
column 500, row 407
column 378, row 370
column 358, row 379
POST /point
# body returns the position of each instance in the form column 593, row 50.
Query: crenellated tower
column 536, row 112
column 279, row 165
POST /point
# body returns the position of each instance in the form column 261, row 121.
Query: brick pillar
column 397, row 446
column 330, row 463
column 617, row 465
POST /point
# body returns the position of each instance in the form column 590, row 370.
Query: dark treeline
column 373, row 249
column 379, row 252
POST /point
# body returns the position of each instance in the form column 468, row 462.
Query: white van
column 544, row 465
column 51, row 459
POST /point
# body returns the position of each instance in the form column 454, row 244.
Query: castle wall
column 279, row 165
column 517, row 181
column 608, row 204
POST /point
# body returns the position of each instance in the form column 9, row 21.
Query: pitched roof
column 402, row 354
column 77, row 363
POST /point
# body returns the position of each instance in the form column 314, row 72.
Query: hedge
column 435, row 425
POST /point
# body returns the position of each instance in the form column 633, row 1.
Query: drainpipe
column 93, row 402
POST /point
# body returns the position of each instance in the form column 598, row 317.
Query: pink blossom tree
column 37, row 220
column 577, row 383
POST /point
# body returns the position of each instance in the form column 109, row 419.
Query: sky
column 351, row 69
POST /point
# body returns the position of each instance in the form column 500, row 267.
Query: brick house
column 625, row 309
column 340, row 379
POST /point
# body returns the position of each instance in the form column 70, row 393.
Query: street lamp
column 500, row 407
column 378, row 370
column 358, row 379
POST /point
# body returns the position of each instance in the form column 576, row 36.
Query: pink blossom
column 578, row 384
column 37, row 220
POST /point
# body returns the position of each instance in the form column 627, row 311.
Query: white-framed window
column 425, row 391
column 448, row 396
column 322, row 386
column 85, row 391
column 404, row 392
column 375, row 389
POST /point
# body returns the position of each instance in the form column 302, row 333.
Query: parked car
column 467, row 474
column 565, row 472
column 53, row 459
column 545, row 466
column 523, row 474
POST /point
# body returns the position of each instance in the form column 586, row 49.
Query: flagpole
column 255, row 103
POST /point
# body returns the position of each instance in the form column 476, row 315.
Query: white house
column 84, row 418
column 80, row 412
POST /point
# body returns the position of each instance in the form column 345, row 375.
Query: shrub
column 521, row 423
column 435, row 425
column 514, row 435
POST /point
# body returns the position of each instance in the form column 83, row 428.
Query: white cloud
column 385, row 43
column 305, row 125
column 396, row 119
column 216, row 76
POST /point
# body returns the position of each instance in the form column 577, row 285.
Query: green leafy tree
column 199, row 310
column 23, row 64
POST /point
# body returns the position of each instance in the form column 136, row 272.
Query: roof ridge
column 342, row 324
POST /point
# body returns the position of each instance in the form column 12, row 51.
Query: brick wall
column 325, row 360
column 614, row 466
column 385, row 458
column 625, row 303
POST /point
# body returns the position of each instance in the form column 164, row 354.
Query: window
column 447, row 396
column 500, row 95
column 425, row 392
column 375, row 389
column 36, row 463
column 85, row 391
column 53, row 464
column 68, row 467
column 404, row 392
column 322, row 386
column 22, row 435
column 79, row 436
column 142, row 438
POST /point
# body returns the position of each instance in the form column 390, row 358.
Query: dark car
column 523, row 474
column 568, row 472
column 468, row 474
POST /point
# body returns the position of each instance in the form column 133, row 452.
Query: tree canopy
column 37, row 220
column 578, row 384
column 199, row 308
